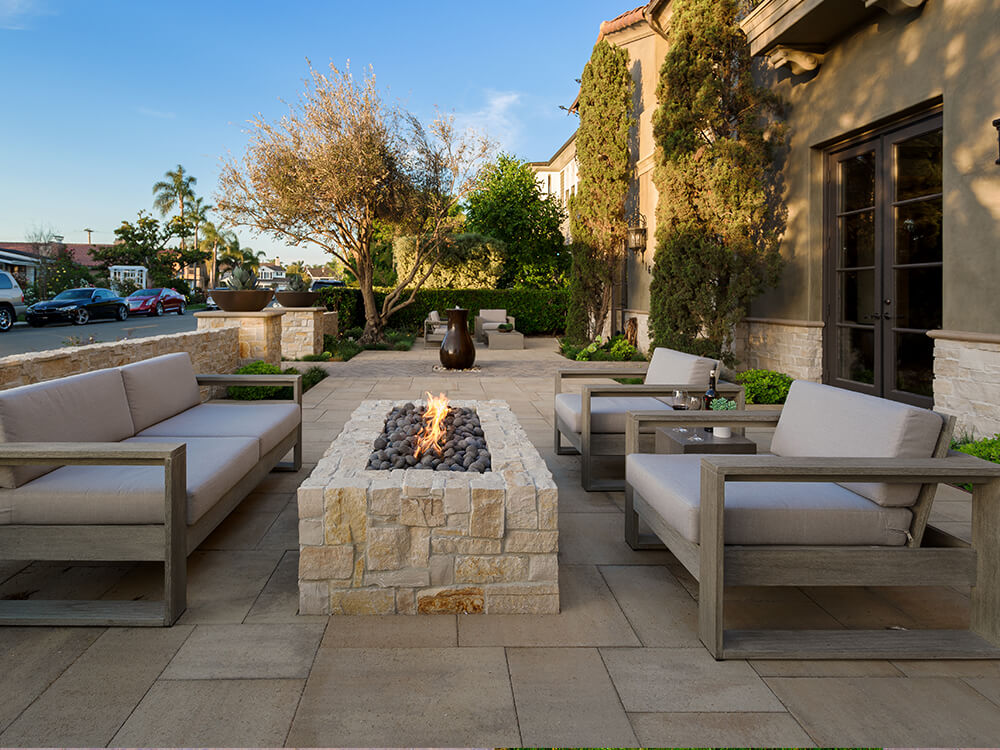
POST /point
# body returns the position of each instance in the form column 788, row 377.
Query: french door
column 883, row 262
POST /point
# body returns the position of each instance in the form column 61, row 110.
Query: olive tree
column 340, row 163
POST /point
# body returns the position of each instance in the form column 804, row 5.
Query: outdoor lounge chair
column 490, row 320
column 843, row 501
column 593, row 422
column 434, row 330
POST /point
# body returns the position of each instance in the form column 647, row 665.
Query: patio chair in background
column 434, row 330
column 844, row 501
column 593, row 421
column 490, row 320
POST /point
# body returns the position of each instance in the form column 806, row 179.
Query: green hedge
column 538, row 311
column 764, row 386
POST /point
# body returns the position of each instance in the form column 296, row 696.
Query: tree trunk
column 374, row 325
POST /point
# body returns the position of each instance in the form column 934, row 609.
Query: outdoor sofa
column 127, row 463
column 593, row 421
column 843, row 501
column 490, row 320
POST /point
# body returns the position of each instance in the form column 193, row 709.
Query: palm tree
column 176, row 189
column 198, row 214
column 213, row 238
column 234, row 255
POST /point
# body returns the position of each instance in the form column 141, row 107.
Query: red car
column 156, row 302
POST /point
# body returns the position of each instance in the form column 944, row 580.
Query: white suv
column 11, row 301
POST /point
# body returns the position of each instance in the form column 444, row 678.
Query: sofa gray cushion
column 159, row 388
column 820, row 420
column 130, row 494
column 267, row 422
column 669, row 367
column 765, row 512
column 493, row 316
column 86, row 408
column 607, row 415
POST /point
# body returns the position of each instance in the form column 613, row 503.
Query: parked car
column 210, row 303
column 78, row 306
column 321, row 284
column 11, row 301
column 156, row 302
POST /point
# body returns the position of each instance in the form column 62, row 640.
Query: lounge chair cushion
column 267, row 422
column 159, row 388
column 86, row 408
column 765, row 512
column 669, row 367
column 820, row 420
column 434, row 316
column 607, row 415
column 492, row 316
column 130, row 494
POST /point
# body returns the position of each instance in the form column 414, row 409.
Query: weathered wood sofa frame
column 929, row 557
column 667, row 371
column 169, row 539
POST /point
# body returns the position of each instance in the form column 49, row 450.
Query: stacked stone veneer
column 302, row 331
column 214, row 351
column 791, row 347
column 416, row 541
column 967, row 381
column 259, row 332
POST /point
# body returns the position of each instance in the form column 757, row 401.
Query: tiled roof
column 78, row 251
column 622, row 21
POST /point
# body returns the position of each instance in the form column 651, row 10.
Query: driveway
column 23, row 338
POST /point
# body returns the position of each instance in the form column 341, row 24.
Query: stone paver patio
column 621, row 665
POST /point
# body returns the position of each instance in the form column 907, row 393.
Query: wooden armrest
column 958, row 469
column 732, row 418
column 606, row 372
column 105, row 454
column 295, row 381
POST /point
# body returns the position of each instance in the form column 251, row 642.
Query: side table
column 672, row 440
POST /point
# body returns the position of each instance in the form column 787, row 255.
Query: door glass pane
column 857, row 239
column 857, row 355
column 915, row 363
column 857, row 296
column 857, row 182
column 918, row 166
column 918, row 298
column 918, row 232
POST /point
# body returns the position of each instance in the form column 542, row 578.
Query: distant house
column 80, row 252
column 319, row 273
column 24, row 266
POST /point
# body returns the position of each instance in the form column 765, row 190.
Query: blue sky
column 98, row 98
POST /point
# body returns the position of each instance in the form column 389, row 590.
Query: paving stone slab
column 227, row 652
column 825, row 668
column 599, row 539
column 719, row 730
column 391, row 631
column 223, row 585
column 279, row 600
column 212, row 713
column 660, row 610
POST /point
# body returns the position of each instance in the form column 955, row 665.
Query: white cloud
column 155, row 113
column 15, row 14
column 497, row 118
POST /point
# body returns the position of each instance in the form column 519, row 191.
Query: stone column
column 260, row 332
column 302, row 331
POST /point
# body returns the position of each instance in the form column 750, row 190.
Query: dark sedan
column 78, row 306
column 156, row 302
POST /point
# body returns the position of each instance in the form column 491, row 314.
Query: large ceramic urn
column 458, row 352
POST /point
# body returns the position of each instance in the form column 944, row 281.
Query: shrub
column 257, row 392
column 402, row 346
column 986, row 448
column 321, row 357
column 468, row 261
column 615, row 349
column 312, row 376
column 180, row 286
column 765, row 386
column 346, row 350
column 538, row 311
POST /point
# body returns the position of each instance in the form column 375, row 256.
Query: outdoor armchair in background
column 434, row 329
column 844, row 501
column 491, row 320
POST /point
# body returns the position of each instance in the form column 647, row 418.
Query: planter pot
column 297, row 299
column 242, row 300
column 722, row 432
column 458, row 352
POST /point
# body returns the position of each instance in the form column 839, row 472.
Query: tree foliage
column 340, row 161
column 597, row 212
column 719, row 216
column 63, row 272
column 468, row 261
column 509, row 205
column 144, row 243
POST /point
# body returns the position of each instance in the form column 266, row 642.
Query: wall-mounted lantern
column 996, row 124
column 636, row 237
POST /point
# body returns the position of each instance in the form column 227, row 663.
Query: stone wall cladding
column 416, row 541
column 795, row 350
column 302, row 331
column 967, row 384
column 259, row 332
column 212, row 351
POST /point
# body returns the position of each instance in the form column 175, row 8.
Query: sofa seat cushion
column 130, row 494
column 269, row 423
column 607, row 415
column 670, row 367
column 488, row 326
column 765, row 512
column 86, row 408
column 159, row 388
column 821, row 420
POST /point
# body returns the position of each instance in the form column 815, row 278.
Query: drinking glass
column 680, row 403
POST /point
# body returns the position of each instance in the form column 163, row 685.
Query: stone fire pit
column 408, row 541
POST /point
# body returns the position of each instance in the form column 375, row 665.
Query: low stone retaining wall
column 967, row 380
column 794, row 347
column 213, row 351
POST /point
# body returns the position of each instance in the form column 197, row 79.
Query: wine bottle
column 710, row 394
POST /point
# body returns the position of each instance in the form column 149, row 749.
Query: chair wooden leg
column 710, row 572
column 985, row 595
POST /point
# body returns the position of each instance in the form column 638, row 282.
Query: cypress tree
column 719, row 215
column 597, row 213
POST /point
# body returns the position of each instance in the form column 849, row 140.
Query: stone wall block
column 487, row 515
column 314, row 598
column 420, row 546
column 367, row 601
column 421, row 511
column 490, row 569
column 319, row 563
column 451, row 600
column 543, row 568
column 388, row 547
column 532, row 541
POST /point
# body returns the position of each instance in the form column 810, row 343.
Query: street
column 23, row 338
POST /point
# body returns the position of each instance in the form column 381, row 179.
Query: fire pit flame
column 432, row 433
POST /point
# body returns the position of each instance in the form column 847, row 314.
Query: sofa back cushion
column 160, row 388
column 86, row 408
column 493, row 316
column 669, row 367
column 820, row 420
column 434, row 316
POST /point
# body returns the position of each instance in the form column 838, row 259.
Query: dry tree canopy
column 341, row 160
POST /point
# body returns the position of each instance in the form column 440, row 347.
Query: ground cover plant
column 615, row 349
column 987, row 449
column 265, row 392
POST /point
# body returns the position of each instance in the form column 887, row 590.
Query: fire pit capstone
column 408, row 541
